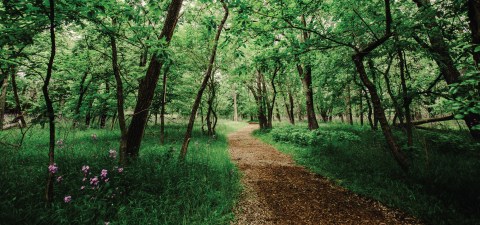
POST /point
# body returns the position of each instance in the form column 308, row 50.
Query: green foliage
column 305, row 137
column 441, row 188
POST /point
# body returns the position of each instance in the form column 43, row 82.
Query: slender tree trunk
column 370, row 111
column 306, row 76
column 210, row 110
column 208, row 74
column 474, row 17
column 164, row 103
column 3, row 98
column 49, row 104
column 274, row 97
column 270, row 105
column 81, row 94
column 292, row 107
column 406, row 98
column 114, row 117
column 148, row 84
column 349, row 105
column 235, row 106
column 18, row 105
column 361, row 108
column 386, row 75
column 259, row 100
column 279, row 118
column 266, row 101
column 120, row 98
column 103, row 116
column 88, row 116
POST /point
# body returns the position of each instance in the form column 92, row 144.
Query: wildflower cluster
column 52, row 168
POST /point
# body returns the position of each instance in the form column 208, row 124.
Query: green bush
column 305, row 137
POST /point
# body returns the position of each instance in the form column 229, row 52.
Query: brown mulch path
column 276, row 191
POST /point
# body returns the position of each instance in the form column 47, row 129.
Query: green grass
column 443, row 184
column 156, row 189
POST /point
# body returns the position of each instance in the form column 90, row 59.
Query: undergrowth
column 442, row 186
column 155, row 189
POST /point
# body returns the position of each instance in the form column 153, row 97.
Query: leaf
column 477, row 49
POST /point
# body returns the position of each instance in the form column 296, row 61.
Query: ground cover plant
column 440, row 189
column 92, row 188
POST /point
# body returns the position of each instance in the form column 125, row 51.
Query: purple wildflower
column 67, row 199
column 85, row 169
column 104, row 174
column 53, row 168
column 59, row 179
column 94, row 181
column 82, row 187
column 120, row 169
column 106, row 180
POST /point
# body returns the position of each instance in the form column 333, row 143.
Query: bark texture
column 148, row 83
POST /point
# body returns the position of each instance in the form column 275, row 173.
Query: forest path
column 277, row 191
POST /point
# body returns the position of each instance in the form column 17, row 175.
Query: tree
column 49, row 105
column 149, row 83
column 208, row 74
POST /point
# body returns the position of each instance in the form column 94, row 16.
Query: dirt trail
column 279, row 192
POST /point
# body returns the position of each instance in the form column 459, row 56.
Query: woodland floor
column 277, row 191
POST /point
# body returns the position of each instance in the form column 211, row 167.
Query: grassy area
column 441, row 188
column 156, row 189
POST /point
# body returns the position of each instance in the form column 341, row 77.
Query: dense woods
column 76, row 70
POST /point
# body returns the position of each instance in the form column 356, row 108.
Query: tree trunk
column 81, row 94
column 406, row 98
column 380, row 114
column 208, row 74
column 474, row 17
column 120, row 98
column 164, row 102
column 114, row 117
column 259, row 100
column 349, row 106
column 291, row 114
column 235, row 106
column 148, row 84
column 3, row 98
column 279, row 118
column 210, row 110
column 361, row 108
column 307, row 88
column 88, row 116
column 49, row 105
column 266, row 101
column 18, row 106
column 103, row 116
column 441, row 53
